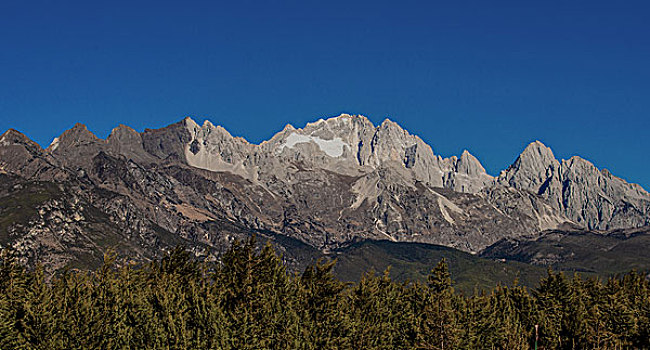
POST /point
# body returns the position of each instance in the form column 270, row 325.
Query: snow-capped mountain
column 325, row 185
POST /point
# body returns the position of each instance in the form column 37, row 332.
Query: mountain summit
column 592, row 198
column 330, row 183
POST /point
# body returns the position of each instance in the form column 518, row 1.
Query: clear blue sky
column 489, row 76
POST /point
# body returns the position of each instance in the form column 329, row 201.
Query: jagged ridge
column 333, row 182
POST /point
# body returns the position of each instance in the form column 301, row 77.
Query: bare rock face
column 331, row 183
column 17, row 153
column 590, row 197
column 22, row 156
column 75, row 148
column 213, row 148
column 532, row 170
column 14, row 138
column 127, row 142
column 168, row 142
column 519, row 204
column 467, row 175
column 346, row 144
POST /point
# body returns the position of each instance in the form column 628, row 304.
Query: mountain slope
column 605, row 253
column 590, row 197
column 326, row 185
column 414, row 262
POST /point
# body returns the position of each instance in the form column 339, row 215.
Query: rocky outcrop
column 18, row 154
column 75, row 148
column 127, row 142
column 21, row 156
column 349, row 145
column 590, row 197
column 168, row 142
column 333, row 182
column 467, row 174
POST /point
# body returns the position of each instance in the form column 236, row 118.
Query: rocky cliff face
column 330, row 183
column 590, row 197
column 20, row 155
column 348, row 145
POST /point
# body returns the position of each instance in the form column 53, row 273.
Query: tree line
column 248, row 300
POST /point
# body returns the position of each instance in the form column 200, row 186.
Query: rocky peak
column 576, row 163
column 392, row 136
column 13, row 137
column 124, row 136
column 209, row 131
column 341, row 122
column 168, row 142
column 389, row 124
column 532, row 169
column 127, row 142
column 350, row 144
column 328, row 143
column 288, row 127
column 590, row 197
column 465, row 174
column 122, row 130
column 75, row 147
column 78, row 134
column 392, row 143
column 213, row 148
column 24, row 157
column 537, row 155
column 469, row 165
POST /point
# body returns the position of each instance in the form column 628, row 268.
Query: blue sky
column 488, row 76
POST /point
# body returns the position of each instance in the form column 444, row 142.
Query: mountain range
column 313, row 192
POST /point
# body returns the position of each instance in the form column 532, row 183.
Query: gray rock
column 590, row 197
column 330, row 183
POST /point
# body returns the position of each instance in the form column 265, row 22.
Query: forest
column 248, row 300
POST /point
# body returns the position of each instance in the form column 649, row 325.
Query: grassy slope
column 20, row 202
column 602, row 254
column 414, row 261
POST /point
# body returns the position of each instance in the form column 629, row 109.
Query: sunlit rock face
column 329, row 183
column 346, row 144
column 213, row 148
column 591, row 197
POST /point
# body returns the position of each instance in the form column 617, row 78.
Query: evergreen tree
column 324, row 323
column 438, row 324
column 249, row 301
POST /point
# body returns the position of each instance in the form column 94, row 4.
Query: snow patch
column 333, row 148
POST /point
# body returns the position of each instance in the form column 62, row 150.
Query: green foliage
column 249, row 301
column 413, row 262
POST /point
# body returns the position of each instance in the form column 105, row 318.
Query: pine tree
column 325, row 324
column 439, row 329
column 552, row 296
